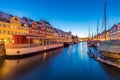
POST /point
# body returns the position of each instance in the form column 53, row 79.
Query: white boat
column 28, row 49
column 22, row 49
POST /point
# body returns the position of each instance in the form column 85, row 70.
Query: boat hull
column 93, row 43
column 76, row 42
column 11, row 52
column 66, row 44
column 112, row 55
column 110, row 49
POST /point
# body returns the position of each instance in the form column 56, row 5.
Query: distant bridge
column 84, row 39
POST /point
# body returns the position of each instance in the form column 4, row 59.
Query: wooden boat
column 93, row 43
column 110, row 49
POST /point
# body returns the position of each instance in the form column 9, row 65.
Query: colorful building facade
column 15, row 30
column 115, row 32
column 9, row 26
column 111, row 34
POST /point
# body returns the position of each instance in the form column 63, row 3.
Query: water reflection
column 44, row 56
column 111, row 71
column 69, row 63
column 9, row 69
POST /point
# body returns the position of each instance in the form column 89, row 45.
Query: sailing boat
column 94, row 41
column 109, row 48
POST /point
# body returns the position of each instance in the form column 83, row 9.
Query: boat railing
column 23, row 45
column 112, row 46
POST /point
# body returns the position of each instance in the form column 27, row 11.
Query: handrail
column 24, row 45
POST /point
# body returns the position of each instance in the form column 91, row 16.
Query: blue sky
column 69, row 15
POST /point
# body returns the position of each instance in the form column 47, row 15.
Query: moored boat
column 25, row 45
column 68, row 39
column 75, row 39
column 23, row 50
column 93, row 43
column 66, row 44
column 76, row 42
column 110, row 49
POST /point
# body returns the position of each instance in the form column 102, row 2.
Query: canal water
column 69, row 63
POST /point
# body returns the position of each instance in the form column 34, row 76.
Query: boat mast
column 92, row 36
column 89, row 34
column 97, row 28
column 105, row 20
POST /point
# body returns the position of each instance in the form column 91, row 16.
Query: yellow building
column 11, row 27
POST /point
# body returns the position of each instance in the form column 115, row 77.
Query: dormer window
column 0, row 24
column 25, row 25
column 34, row 25
column 16, row 19
column 4, row 25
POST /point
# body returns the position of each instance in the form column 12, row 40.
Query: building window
column 0, row 31
column 8, row 26
column 15, row 27
column 12, row 39
column 18, row 28
column 8, row 39
column 4, row 25
column 12, row 26
column 8, row 32
column 4, row 32
column 12, row 21
column 12, row 33
column 16, row 19
column 0, row 25
column 15, row 32
column 18, row 32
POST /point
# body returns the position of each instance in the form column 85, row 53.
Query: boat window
column 114, row 53
column 8, row 38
